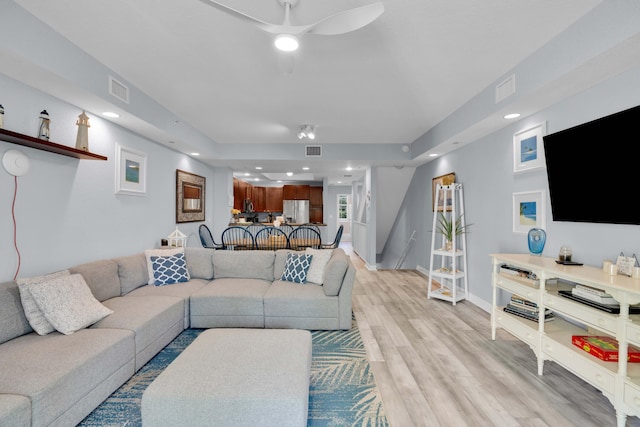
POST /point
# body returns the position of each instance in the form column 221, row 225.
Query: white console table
column 618, row 381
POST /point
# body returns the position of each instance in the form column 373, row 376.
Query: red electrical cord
column 13, row 215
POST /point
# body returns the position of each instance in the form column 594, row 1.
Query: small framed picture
column 190, row 196
column 528, row 211
column 446, row 179
column 131, row 171
column 528, row 148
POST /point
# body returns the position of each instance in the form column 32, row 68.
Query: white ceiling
column 389, row 82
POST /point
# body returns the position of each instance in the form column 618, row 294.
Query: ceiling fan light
column 286, row 42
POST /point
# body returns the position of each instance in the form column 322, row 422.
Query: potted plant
column 448, row 228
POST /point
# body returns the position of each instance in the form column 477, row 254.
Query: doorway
column 343, row 215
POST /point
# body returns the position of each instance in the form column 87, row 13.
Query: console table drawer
column 598, row 319
column 632, row 398
column 517, row 326
column 577, row 361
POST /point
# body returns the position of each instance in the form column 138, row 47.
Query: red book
column 604, row 348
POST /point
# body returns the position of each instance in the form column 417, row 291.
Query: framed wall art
column 131, row 171
column 528, row 148
column 446, row 179
column 528, row 211
column 190, row 199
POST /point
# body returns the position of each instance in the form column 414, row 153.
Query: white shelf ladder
column 449, row 275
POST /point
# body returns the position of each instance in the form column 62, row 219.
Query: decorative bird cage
column 177, row 238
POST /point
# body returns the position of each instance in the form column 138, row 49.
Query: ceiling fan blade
column 349, row 20
column 266, row 26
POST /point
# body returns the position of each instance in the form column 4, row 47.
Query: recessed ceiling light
column 349, row 168
column 305, row 168
column 512, row 116
column 339, row 182
column 247, row 174
column 195, row 154
column 279, row 180
column 289, row 173
column 259, row 168
column 257, row 179
column 111, row 114
column 433, row 155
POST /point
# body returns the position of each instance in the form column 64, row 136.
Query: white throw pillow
column 32, row 312
column 68, row 304
column 319, row 261
column 155, row 253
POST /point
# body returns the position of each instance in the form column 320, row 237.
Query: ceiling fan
column 287, row 35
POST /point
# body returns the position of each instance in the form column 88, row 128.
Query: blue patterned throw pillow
column 296, row 267
column 169, row 269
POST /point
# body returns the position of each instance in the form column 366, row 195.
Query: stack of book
column 593, row 294
column 528, row 309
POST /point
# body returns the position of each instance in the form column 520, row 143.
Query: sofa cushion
column 15, row 411
column 154, row 320
column 34, row 314
column 296, row 267
column 199, row 262
column 158, row 252
column 334, row 272
column 132, row 271
column 13, row 322
column 168, row 270
column 318, row 263
column 280, row 261
column 68, row 304
column 243, row 264
column 101, row 277
column 64, row 374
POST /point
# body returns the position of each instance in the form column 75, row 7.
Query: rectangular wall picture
column 528, row 148
column 528, row 211
column 190, row 197
column 131, row 171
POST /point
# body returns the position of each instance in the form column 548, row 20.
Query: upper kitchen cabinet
column 274, row 199
column 259, row 199
column 296, row 192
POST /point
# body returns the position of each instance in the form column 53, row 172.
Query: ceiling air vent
column 313, row 150
column 506, row 88
column 118, row 90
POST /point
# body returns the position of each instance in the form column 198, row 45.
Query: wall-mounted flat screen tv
column 593, row 170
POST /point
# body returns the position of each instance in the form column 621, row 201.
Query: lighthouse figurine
column 43, row 129
column 82, row 140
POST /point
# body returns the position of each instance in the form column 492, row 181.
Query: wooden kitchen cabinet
column 295, row 192
column 259, row 199
column 315, row 197
column 274, row 199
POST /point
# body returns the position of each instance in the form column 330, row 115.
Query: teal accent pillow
column 168, row 270
column 296, row 267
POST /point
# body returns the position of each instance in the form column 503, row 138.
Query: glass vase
column 537, row 239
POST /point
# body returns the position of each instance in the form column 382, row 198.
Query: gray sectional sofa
column 57, row 379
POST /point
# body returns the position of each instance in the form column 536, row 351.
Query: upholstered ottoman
column 234, row 377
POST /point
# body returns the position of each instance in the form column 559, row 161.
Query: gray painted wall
column 66, row 210
column 485, row 168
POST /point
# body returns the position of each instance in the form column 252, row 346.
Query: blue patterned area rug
column 342, row 390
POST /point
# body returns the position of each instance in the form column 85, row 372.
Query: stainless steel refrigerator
column 296, row 211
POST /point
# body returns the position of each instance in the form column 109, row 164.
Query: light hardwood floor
column 436, row 365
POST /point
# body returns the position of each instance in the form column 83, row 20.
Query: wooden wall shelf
column 52, row 147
